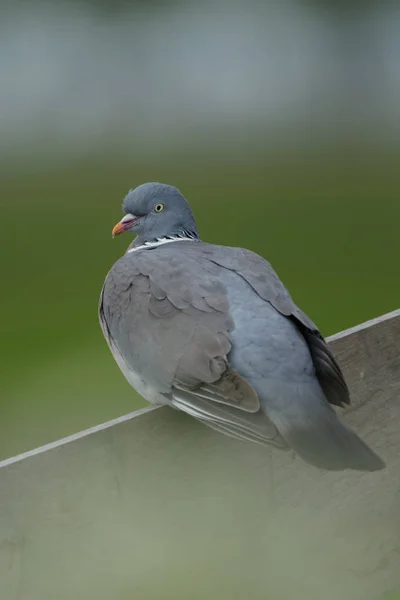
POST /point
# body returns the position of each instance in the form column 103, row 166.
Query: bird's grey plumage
column 212, row 331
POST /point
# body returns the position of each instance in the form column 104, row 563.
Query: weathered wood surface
column 161, row 507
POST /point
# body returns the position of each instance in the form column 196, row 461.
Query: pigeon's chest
column 136, row 380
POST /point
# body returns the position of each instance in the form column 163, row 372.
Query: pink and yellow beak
column 118, row 229
column 124, row 224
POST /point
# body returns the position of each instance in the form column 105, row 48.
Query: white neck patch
column 161, row 241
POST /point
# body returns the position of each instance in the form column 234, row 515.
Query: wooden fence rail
column 156, row 506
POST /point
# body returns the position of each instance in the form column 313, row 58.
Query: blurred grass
column 328, row 222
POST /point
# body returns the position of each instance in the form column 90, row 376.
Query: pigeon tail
column 311, row 427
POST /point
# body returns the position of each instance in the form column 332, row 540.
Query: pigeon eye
column 159, row 207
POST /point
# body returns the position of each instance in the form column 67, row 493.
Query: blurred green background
column 280, row 125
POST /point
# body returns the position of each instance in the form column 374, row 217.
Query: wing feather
column 260, row 275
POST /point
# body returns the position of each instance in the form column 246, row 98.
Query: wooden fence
column 155, row 505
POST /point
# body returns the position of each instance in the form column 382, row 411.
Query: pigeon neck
column 185, row 235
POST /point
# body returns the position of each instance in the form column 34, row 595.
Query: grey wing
column 262, row 278
column 169, row 320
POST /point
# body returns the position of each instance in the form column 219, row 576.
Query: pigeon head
column 156, row 211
